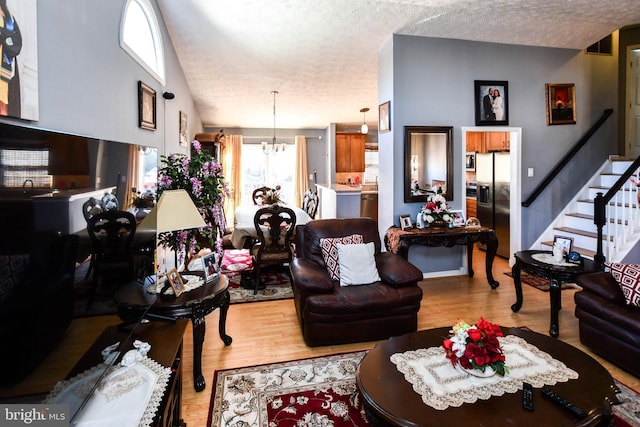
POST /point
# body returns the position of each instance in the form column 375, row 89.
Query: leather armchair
column 607, row 325
column 331, row 314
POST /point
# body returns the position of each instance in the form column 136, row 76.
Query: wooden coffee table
column 390, row 399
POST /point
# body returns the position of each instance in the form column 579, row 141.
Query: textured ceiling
column 321, row 55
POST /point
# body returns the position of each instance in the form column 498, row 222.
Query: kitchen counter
column 343, row 201
column 75, row 194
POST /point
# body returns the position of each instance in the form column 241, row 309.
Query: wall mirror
column 428, row 162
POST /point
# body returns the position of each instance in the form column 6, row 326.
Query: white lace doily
column 128, row 395
column 549, row 259
column 440, row 385
column 193, row 282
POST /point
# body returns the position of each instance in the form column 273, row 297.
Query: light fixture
column 364, row 129
column 275, row 147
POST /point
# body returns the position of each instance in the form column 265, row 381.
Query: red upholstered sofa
column 607, row 324
column 331, row 314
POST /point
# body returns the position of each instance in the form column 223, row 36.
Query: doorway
column 632, row 131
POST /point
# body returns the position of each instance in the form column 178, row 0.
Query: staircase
column 622, row 230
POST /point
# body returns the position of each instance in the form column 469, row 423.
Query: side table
column 133, row 299
column 556, row 273
column 399, row 241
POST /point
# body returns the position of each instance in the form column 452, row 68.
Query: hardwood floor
column 267, row 332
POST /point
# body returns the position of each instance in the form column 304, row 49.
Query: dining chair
column 275, row 225
column 258, row 195
column 90, row 208
column 310, row 203
column 111, row 234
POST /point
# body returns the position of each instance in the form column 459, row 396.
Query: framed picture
column 210, row 267
column 146, row 106
column 561, row 103
column 566, row 243
column 491, row 102
column 176, row 281
column 405, row 222
column 184, row 132
column 458, row 218
column 384, row 117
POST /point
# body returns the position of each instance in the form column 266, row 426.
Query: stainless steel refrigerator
column 493, row 174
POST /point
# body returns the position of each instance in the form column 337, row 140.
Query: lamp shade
column 174, row 211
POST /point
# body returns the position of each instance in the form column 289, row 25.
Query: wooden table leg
column 224, row 308
column 199, row 331
column 470, row 259
column 554, row 297
column 515, row 272
column 492, row 248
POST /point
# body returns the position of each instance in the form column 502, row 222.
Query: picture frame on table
column 561, row 103
column 458, row 218
column 210, row 267
column 384, row 117
column 146, row 106
column 566, row 243
column 491, row 102
column 405, row 222
column 176, row 282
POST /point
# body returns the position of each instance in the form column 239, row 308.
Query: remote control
column 527, row 396
column 552, row 395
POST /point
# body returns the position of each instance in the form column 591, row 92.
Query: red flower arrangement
column 476, row 346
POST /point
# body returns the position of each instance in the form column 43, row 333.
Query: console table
column 133, row 299
column 398, row 241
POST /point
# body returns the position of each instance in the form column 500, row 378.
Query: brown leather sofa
column 331, row 314
column 607, row 325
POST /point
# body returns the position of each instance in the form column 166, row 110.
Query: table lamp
column 174, row 211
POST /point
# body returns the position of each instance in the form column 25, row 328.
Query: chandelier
column 275, row 147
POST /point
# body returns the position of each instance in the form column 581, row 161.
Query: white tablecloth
column 441, row 385
column 243, row 226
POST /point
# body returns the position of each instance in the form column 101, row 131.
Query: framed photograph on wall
column 561, row 103
column 384, row 117
column 405, row 222
column 210, row 267
column 146, row 106
column 184, row 129
column 491, row 102
column 176, row 281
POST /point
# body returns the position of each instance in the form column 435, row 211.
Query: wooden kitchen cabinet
column 497, row 141
column 349, row 152
column 475, row 142
column 472, row 207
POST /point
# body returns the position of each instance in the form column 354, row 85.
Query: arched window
column 140, row 37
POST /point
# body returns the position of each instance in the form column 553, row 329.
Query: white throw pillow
column 357, row 264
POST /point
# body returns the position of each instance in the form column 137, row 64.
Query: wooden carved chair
column 91, row 208
column 111, row 234
column 275, row 226
column 258, row 195
column 310, row 203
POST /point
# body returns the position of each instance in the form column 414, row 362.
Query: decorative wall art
column 491, row 102
column 146, row 106
column 184, row 129
column 384, row 117
column 561, row 103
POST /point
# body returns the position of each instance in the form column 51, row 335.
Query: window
column 19, row 165
column 140, row 37
column 603, row 47
column 259, row 169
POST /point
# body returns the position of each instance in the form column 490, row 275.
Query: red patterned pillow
column 628, row 277
column 330, row 252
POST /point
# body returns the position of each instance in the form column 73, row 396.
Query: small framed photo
column 176, row 281
column 210, row 267
column 458, row 218
column 384, row 117
column 184, row 132
column 561, row 103
column 405, row 222
column 491, row 102
column 566, row 243
column 146, row 106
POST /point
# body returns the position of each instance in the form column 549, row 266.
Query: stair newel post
column 599, row 219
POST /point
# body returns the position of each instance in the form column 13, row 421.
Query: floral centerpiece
column 201, row 176
column 436, row 211
column 271, row 197
column 476, row 347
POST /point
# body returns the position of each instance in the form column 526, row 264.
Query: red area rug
column 237, row 261
column 319, row 391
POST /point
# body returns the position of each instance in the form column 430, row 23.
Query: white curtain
column 300, row 183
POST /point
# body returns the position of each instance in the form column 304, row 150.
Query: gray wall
column 432, row 83
column 88, row 84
